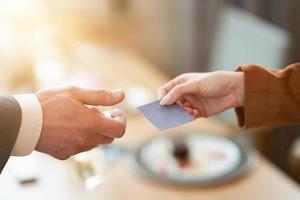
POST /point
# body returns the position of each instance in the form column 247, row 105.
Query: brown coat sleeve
column 272, row 97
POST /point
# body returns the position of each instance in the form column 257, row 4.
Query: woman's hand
column 205, row 94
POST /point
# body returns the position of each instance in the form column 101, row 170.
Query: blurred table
column 125, row 69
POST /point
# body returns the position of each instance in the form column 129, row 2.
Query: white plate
column 212, row 159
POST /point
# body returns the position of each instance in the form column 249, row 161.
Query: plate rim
column 249, row 159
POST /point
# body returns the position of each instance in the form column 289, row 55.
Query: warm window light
column 50, row 73
column 7, row 34
column 19, row 9
column 35, row 36
column 17, row 19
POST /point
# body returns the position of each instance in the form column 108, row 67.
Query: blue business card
column 165, row 117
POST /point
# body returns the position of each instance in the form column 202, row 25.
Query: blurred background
column 138, row 45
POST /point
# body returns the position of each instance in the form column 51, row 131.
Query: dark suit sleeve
column 10, row 120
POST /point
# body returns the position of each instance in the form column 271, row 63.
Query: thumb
column 176, row 93
column 100, row 97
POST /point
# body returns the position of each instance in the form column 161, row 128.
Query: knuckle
column 185, row 77
column 162, row 91
column 182, row 76
column 101, row 94
column 72, row 90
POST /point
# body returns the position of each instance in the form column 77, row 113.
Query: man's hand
column 71, row 127
column 205, row 94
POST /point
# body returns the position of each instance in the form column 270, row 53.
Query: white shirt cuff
column 31, row 124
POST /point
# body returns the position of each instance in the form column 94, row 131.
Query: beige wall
column 161, row 31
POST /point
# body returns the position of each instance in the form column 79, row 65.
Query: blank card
column 165, row 117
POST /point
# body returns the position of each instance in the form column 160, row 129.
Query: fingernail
column 165, row 100
column 116, row 113
column 116, row 94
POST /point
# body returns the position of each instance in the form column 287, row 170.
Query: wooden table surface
column 127, row 68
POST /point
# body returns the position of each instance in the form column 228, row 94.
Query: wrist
column 240, row 88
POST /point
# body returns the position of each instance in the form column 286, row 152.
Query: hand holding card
column 165, row 117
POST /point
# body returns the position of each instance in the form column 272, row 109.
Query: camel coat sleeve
column 272, row 97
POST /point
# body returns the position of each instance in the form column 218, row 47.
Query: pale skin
column 71, row 127
column 205, row 94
